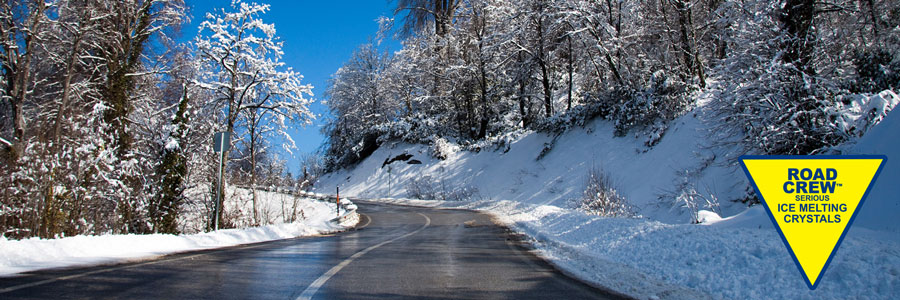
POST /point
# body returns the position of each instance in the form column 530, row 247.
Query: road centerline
column 311, row 290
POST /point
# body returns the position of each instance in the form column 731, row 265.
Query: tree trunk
column 164, row 213
column 615, row 22
column 233, row 111
column 253, row 182
column 571, row 69
column 119, row 83
column 721, row 45
column 18, row 73
column 123, row 58
column 542, row 63
column 440, row 27
column 443, row 15
column 470, row 113
column 688, row 49
column 548, row 97
column 67, row 88
column 874, row 14
column 524, row 106
column 409, row 92
column 797, row 18
column 485, row 107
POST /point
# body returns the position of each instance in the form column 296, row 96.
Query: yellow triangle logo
column 812, row 200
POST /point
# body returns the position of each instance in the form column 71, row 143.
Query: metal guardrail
column 344, row 217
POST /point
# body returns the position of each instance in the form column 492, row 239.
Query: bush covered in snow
column 663, row 99
column 877, row 70
column 695, row 201
column 429, row 188
column 601, row 198
column 854, row 114
column 441, row 148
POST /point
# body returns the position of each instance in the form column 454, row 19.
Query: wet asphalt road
column 396, row 252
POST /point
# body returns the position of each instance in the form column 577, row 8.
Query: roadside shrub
column 463, row 193
column 601, row 198
column 421, row 188
column 442, row 149
column 877, row 70
column 662, row 100
column 693, row 201
column 686, row 196
column 427, row 188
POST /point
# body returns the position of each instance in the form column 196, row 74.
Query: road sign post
column 337, row 201
column 221, row 143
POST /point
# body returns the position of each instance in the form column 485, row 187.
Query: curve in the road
column 456, row 254
column 314, row 287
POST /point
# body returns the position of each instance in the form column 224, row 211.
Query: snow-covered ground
column 272, row 208
column 645, row 176
column 660, row 254
column 18, row 256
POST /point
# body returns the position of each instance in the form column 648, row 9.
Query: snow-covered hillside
column 882, row 207
column 659, row 255
column 642, row 174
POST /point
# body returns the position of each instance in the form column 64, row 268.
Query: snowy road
column 397, row 252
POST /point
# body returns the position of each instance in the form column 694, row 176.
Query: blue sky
column 318, row 36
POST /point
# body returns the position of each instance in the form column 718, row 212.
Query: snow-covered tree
column 358, row 101
column 787, row 66
column 22, row 26
column 241, row 65
column 62, row 61
column 421, row 14
column 470, row 71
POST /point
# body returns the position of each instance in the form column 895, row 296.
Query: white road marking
column 314, row 287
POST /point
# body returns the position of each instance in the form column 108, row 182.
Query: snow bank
column 34, row 254
column 737, row 258
column 882, row 207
